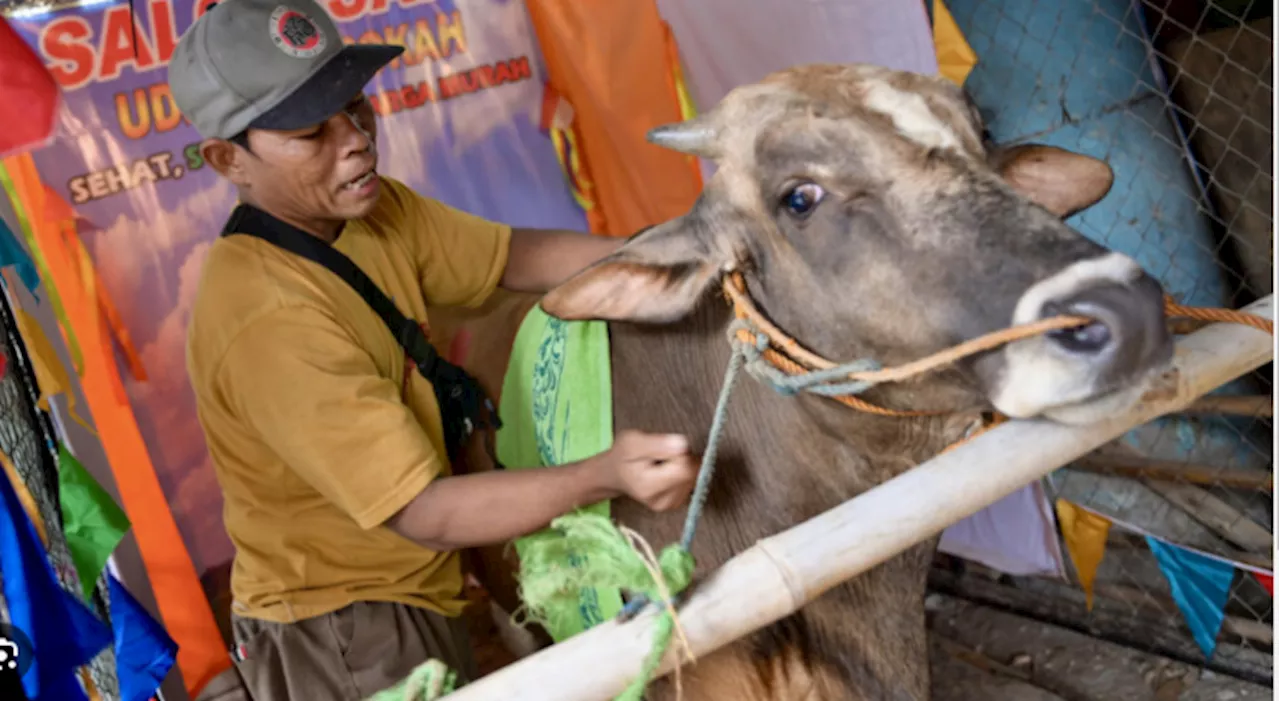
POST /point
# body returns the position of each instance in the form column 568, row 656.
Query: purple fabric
column 1016, row 535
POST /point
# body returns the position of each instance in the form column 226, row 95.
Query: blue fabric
column 13, row 253
column 64, row 633
column 144, row 651
column 1200, row 587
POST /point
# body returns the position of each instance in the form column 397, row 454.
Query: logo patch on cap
column 295, row 33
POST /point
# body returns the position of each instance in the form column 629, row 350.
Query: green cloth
column 557, row 408
column 428, row 681
column 92, row 522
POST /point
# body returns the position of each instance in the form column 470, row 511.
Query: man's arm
column 318, row 400
column 495, row 507
column 541, row 259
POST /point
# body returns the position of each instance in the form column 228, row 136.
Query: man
column 327, row 442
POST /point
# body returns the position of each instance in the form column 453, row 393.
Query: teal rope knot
column 820, row 382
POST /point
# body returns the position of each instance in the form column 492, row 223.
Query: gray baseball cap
column 268, row 64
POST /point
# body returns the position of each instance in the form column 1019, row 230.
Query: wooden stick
column 782, row 573
column 1064, row 605
column 1172, row 471
column 1217, row 515
column 1243, row 627
column 1258, row 406
column 976, row 659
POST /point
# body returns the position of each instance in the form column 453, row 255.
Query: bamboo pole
column 780, row 574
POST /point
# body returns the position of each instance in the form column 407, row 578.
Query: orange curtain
column 611, row 61
column 184, row 610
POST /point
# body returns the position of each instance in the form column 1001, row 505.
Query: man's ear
column 656, row 277
column 225, row 158
column 1058, row 180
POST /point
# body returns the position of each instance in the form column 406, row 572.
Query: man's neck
column 323, row 229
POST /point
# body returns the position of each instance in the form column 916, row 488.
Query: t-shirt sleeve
column 461, row 257
column 317, row 400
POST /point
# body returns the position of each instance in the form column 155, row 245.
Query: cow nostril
column 1091, row 338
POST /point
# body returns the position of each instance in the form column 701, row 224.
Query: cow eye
column 803, row 198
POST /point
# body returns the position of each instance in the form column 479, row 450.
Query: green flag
column 91, row 520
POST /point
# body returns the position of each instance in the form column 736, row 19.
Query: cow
column 870, row 218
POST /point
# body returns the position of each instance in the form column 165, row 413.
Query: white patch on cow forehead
column 910, row 114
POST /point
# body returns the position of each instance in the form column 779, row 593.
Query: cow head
column 871, row 220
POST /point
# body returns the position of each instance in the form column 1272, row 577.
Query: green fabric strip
column 557, row 408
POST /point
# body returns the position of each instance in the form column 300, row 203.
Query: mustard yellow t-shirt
column 318, row 427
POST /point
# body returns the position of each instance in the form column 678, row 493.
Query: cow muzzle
column 1083, row 374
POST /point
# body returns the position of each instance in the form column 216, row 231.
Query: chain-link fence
column 1177, row 96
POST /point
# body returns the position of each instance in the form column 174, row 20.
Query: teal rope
column 820, row 382
column 705, row 471
column 751, row 356
column 708, row 467
column 676, row 561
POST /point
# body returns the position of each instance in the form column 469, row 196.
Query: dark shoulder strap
column 464, row 406
column 255, row 222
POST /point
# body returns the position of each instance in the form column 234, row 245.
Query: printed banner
column 458, row 120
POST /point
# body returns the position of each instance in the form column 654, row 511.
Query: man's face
column 318, row 175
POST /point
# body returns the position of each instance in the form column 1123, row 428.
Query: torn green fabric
column 557, row 408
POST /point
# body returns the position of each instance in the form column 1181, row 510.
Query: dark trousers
column 347, row 655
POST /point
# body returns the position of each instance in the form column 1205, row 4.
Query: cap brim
column 329, row 90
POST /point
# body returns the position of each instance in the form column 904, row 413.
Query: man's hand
column 654, row 469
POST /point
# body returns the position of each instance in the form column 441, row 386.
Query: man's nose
column 354, row 136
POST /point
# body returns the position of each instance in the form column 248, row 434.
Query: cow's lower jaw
column 1085, row 375
column 1058, row 400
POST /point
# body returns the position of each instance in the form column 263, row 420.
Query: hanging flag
column 13, row 253
column 29, row 96
column 16, row 175
column 64, row 634
column 1085, row 534
column 51, row 375
column 1200, row 587
column 1264, row 580
column 955, row 57
column 24, row 497
column 1015, row 535
column 144, row 651
column 92, row 521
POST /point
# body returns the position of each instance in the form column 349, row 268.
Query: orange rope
column 1212, row 314
column 787, row 355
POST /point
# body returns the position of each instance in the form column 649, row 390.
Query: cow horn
column 695, row 136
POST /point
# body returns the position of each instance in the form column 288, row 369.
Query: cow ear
column 656, row 277
column 1058, row 180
